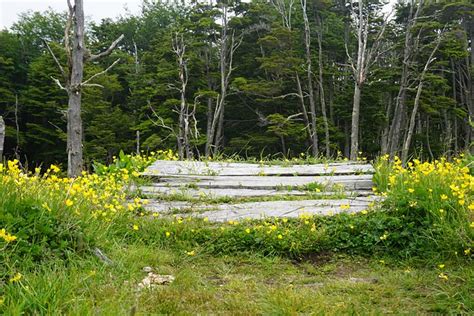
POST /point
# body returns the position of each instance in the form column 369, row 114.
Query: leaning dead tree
column 2, row 137
column 367, row 56
column 73, row 82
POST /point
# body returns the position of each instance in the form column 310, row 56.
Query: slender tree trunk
column 309, row 74
column 411, row 126
column 309, row 126
column 74, row 120
column 398, row 115
column 2, row 137
column 385, row 132
column 184, row 148
column 355, row 122
column 208, row 145
column 470, row 84
column 321, row 88
column 17, row 125
column 220, row 130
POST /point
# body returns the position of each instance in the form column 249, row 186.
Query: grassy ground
column 246, row 285
column 414, row 250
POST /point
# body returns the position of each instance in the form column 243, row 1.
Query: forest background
column 261, row 78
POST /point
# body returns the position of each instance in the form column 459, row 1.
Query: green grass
column 404, row 257
column 245, row 284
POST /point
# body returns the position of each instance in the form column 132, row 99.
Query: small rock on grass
column 152, row 280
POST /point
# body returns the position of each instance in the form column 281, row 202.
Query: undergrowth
column 427, row 216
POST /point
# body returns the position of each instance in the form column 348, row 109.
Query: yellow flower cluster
column 436, row 176
column 6, row 236
column 100, row 197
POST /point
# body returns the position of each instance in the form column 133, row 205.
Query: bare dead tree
column 77, row 54
column 179, row 48
column 411, row 127
column 228, row 44
column 309, row 74
column 367, row 56
column 399, row 110
column 321, row 86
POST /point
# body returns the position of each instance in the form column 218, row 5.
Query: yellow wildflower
column 17, row 277
column 443, row 276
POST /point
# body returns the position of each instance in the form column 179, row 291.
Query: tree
column 367, row 55
column 74, row 82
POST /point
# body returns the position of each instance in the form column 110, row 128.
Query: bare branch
column 93, row 85
column 161, row 122
column 100, row 73
column 108, row 50
column 58, row 83
column 63, row 73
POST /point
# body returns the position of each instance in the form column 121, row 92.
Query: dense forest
column 280, row 77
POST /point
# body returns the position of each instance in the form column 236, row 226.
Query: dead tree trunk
column 321, row 88
column 74, row 83
column 399, row 111
column 184, row 146
column 74, row 120
column 366, row 57
column 228, row 46
column 307, row 123
column 2, row 137
column 309, row 73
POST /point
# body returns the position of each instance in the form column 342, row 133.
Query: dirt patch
column 315, row 259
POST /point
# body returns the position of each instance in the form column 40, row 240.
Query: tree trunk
column 309, row 73
column 470, row 85
column 411, row 126
column 355, row 123
column 2, row 137
column 74, row 135
column 74, row 121
column 309, row 125
column 400, row 103
column 385, row 132
column 321, row 88
column 208, row 146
